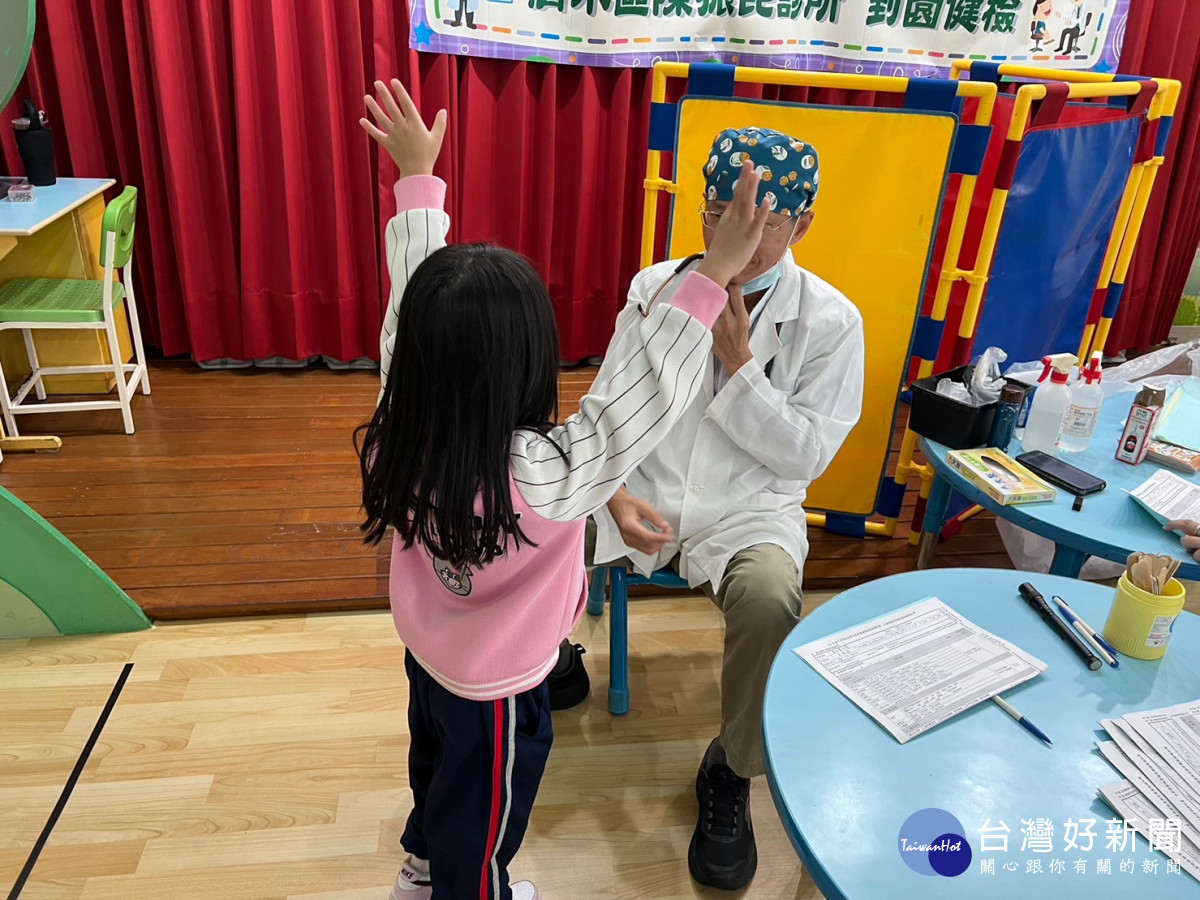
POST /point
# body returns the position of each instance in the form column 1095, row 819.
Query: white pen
column 1085, row 631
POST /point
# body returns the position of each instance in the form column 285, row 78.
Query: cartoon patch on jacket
column 458, row 578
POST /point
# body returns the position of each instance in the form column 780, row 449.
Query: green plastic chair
column 30, row 304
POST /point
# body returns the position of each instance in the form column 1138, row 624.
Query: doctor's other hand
column 1191, row 535
column 731, row 332
column 632, row 516
column 738, row 232
column 400, row 131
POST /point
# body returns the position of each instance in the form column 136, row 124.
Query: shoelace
column 725, row 801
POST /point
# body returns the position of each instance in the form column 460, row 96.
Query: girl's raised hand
column 401, row 132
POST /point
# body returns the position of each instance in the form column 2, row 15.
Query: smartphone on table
column 1070, row 478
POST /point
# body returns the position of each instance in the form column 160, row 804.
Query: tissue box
column 20, row 193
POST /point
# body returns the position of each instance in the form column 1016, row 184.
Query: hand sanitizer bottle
column 1086, row 398
column 1049, row 404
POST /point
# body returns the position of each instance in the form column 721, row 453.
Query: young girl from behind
column 488, row 498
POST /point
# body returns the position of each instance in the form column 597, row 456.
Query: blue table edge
column 1072, row 557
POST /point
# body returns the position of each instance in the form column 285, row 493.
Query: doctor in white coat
column 721, row 498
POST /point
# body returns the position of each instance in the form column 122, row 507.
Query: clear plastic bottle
column 1049, row 404
column 1086, row 398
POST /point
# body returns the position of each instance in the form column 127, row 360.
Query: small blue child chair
column 619, row 579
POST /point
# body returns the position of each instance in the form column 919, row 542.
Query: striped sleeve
column 651, row 372
column 418, row 229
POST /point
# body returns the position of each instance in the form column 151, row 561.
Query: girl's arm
column 650, row 375
column 420, row 225
column 418, row 229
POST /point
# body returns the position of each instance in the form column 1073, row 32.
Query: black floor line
column 34, row 853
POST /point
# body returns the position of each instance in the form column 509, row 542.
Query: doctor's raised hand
column 400, row 131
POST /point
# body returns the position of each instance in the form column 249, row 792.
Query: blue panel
column 849, row 526
column 1057, row 225
column 970, row 146
column 1113, row 300
column 663, row 118
column 891, row 498
column 1123, row 102
column 710, row 79
column 1164, row 134
column 927, row 338
column 933, row 95
column 985, row 71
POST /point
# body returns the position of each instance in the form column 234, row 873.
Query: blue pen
column 1024, row 722
column 1103, row 648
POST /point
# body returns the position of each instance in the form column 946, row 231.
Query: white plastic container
column 1050, row 404
column 1086, row 397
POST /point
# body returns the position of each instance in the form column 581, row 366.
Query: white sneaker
column 524, row 890
column 413, row 881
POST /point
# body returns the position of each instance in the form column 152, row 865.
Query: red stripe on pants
column 497, row 787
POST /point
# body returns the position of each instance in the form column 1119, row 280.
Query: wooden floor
column 239, row 495
column 266, row 758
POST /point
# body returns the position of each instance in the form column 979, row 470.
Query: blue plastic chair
column 619, row 580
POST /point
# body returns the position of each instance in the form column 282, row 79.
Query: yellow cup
column 1139, row 623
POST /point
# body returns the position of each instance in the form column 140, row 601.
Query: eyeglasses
column 711, row 219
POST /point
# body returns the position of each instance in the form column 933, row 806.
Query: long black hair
column 476, row 358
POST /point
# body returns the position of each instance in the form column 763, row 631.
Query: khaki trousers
column 760, row 599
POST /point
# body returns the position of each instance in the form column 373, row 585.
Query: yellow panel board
column 66, row 248
column 883, row 173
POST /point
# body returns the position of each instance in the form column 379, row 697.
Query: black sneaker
column 571, row 687
column 722, row 853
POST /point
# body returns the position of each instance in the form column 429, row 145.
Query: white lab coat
column 734, row 470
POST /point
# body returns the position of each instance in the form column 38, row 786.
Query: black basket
column 946, row 420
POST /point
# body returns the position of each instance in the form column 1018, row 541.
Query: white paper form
column 1157, row 769
column 1132, row 806
column 919, row 666
column 1166, row 496
column 1151, row 791
column 1174, row 732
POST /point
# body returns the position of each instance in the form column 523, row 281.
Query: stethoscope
column 679, row 270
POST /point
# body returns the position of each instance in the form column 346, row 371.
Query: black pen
column 1042, row 608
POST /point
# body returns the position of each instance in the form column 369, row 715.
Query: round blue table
column 844, row 787
column 1111, row 524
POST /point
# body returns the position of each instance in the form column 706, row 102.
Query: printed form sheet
column 919, row 666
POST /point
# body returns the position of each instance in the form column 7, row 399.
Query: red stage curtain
column 1163, row 38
